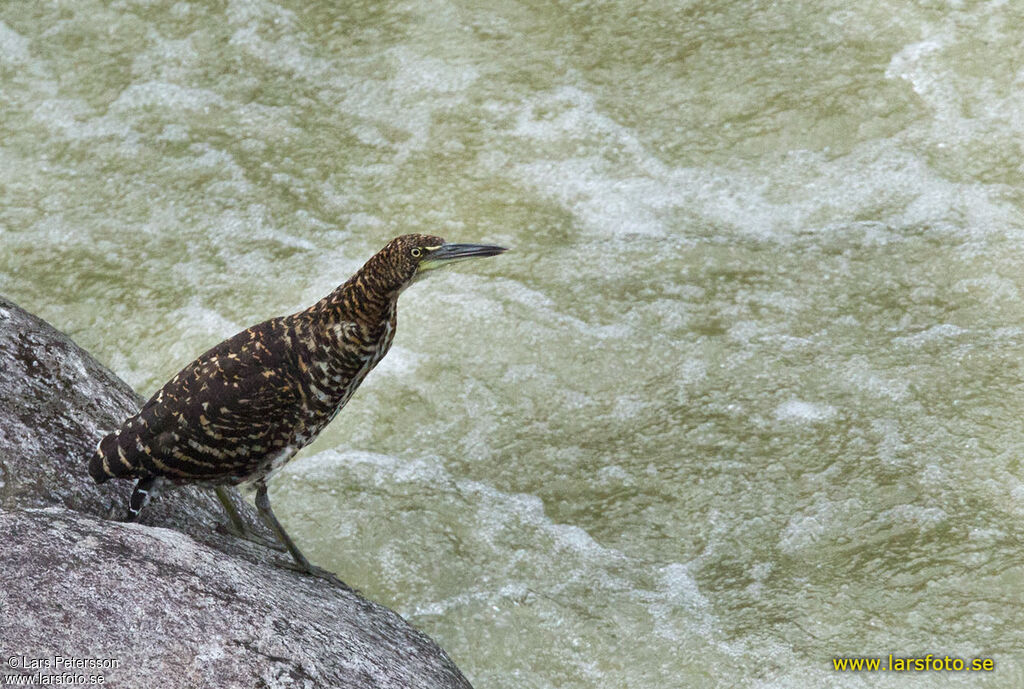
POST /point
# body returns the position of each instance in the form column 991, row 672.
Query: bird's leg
column 238, row 527
column 145, row 489
column 263, row 505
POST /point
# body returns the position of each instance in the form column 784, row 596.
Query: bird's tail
column 112, row 459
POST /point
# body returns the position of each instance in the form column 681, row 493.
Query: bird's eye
column 416, row 253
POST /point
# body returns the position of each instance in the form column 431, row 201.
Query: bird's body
column 246, row 406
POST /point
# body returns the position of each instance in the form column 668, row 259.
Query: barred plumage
column 247, row 405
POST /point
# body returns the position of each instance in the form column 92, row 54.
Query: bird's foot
column 253, row 537
column 314, row 571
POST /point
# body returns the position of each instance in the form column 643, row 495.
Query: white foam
column 205, row 327
column 259, row 13
column 935, row 333
column 73, row 119
column 806, row 412
column 915, row 518
column 619, row 207
column 862, row 377
column 679, row 590
column 561, row 561
column 166, row 96
column 362, row 220
column 177, row 133
column 496, row 511
column 819, row 521
column 906, row 65
column 384, row 469
column 1017, row 495
column 617, row 188
column 285, row 53
column 462, row 286
column 628, row 407
column 891, row 447
column 419, row 86
column 252, row 222
column 417, row 73
column 167, row 59
column 13, row 46
column 745, row 331
column 614, row 473
column 400, row 362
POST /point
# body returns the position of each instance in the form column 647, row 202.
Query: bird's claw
column 314, row 571
column 253, row 537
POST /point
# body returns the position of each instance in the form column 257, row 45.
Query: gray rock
column 173, row 600
column 56, row 402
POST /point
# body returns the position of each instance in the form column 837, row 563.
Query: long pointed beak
column 450, row 253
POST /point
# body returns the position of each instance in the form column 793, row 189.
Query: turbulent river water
column 745, row 396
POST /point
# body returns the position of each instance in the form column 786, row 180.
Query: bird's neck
column 365, row 299
column 341, row 338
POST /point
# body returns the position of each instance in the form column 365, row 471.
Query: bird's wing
column 223, row 413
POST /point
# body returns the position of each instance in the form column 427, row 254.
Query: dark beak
column 449, row 253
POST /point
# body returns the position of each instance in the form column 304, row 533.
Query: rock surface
column 172, row 601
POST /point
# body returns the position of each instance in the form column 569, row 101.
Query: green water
column 745, row 396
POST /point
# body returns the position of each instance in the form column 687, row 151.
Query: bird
column 246, row 406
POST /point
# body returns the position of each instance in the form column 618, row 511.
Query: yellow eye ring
column 416, row 253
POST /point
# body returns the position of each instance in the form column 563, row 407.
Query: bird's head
column 407, row 258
